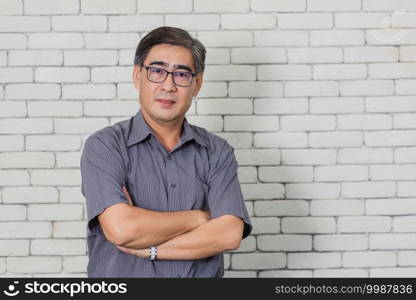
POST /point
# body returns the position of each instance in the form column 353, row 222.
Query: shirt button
column 168, row 158
column 173, row 185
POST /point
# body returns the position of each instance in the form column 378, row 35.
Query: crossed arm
column 179, row 235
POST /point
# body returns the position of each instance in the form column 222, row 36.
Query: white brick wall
column 317, row 97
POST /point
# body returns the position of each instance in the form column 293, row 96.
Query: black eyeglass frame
column 167, row 74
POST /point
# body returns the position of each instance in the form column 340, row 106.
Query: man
column 163, row 197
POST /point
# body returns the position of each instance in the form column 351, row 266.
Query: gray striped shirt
column 199, row 173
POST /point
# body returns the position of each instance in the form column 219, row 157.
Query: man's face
column 154, row 96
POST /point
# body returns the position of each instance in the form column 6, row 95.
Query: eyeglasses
column 159, row 75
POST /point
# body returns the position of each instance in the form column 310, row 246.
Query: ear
column 136, row 76
column 198, row 84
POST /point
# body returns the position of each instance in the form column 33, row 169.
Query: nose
column 168, row 85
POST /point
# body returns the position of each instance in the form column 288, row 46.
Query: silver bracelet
column 153, row 253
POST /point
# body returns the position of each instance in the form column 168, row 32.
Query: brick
column 79, row 125
column 365, row 155
column 12, row 212
column 58, row 247
column 281, row 106
column 100, row 7
column 405, row 87
column 247, row 245
column 371, row 54
column 405, row 155
column 209, row 89
column 126, row 57
column 3, row 62
column 88, row 91
column 79, row 23
column 305, row 21
column 8, row 7
column 393, row 272
column 312, row 190
column 14, row 247
column 335, row 71
column 160, row 6
column 366, row 88
column 364, row 122
column 392, row 70
column 58, row 74
column 33, row 264
column 286, row 174
column 224, row 106
column 308, row 225
column 210, row 123
column 404, row 224
column 111, row 40
column 345, row 273
column 258, row 261
column 225, row 38
column 56, row 40
column 24, row 24
column 285, row 242
column 314, row 55
column 407, row 53
column 33, row 91
column 221, row 6
column 311, row 88
column 280, row 140
column 309, row 156
column 75, row 263
column 335, row 139
column 30, row 194
column 53, row 142
column 12, row 41
column 390, row 36
column 255, row 89
column 265, row 225
column 127, row 23
column 16, row 74
column 284, row 72
column 340, row 242
column 393, row 172
column 110, row 108
column 68, row 159
column 217, row 56
column 313, row 260
column 307, row 123
column 281, row 38
column 393, row 241
column 364, row 224
column 24, row 230
column 24, row 160
column 258, row 55
column 240, row 274
column 388, row 5
column 238, row 140
column 367, row 259
column 71, row 195
column 406, row 258
column 51, row 7
column 54, row 212
column 247, row 174
column 368, row 189
column 333, row 5
column 395, row 206
column 111, row 74
column 35, row 58
column 341, row 173
column 262, row 191
column 403, row 19
column 65, row 177
column 11, row 143
column 229, row 72
column 194, row 22
column 278, row 6
column 12, row 109
column 90, row 58
column 251, row 123
column 337, row 207
column 25, row 126
column 285, row 274
column 248, row 21
column 362, row 20
column 331, row 105
column 391, row 138
column 281, row 208
column 257, row 157
column 54, row 109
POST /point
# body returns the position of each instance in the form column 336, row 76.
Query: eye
column 183, row 74
column 156, row 70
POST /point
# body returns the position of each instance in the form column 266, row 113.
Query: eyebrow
column 175, row 67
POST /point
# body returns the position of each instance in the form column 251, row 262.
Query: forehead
column 171, row 54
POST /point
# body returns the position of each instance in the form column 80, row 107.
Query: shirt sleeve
column 103, row 176
column 224, row 196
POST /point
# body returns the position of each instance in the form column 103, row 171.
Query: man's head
column 165, row 96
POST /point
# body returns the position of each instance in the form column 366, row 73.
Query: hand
column 143, row 253
column 126, row 193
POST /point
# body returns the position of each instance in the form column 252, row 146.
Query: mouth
column 166, row 102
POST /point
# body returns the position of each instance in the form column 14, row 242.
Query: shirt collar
column 140, row 131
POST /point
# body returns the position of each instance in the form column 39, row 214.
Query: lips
column 166, row 100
